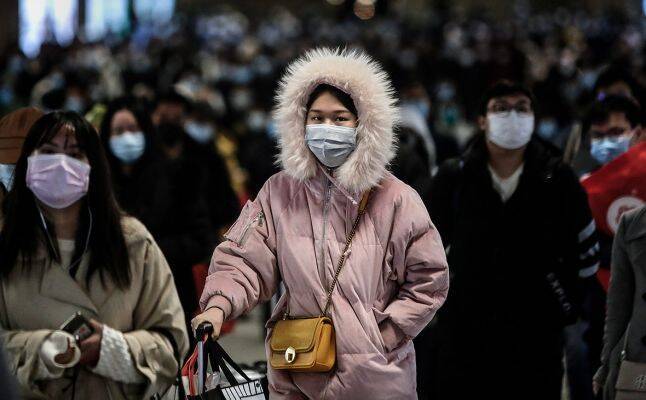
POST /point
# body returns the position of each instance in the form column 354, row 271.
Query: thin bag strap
column 178, row 357
column 225, row 357
column 625, row 348
column 362, row 210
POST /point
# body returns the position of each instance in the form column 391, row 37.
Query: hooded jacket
column 395, row 277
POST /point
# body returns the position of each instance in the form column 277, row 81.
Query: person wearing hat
column 13, row 129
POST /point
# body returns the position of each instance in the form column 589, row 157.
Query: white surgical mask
column 201, row 133
column 510, row 130
column 331, row 144
column 6, row 175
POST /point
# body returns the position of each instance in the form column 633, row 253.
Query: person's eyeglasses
column 505, row 109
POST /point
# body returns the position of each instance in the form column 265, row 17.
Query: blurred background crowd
column 188, row 87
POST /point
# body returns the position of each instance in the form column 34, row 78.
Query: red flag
column 617, row 187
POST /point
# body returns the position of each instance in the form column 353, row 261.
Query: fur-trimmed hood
column 357, row 74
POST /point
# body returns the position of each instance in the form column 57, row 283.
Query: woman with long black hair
column 66, row 247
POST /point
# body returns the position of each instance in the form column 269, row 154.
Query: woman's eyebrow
column 331, row 112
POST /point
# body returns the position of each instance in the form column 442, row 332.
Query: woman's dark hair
column 142, row 116
column 23, row 230
column 145, row 124
column 340, row 95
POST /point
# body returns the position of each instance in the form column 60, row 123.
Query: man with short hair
column 520, row 241
column 613, row 125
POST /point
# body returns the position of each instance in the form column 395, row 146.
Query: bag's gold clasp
column 290, row 355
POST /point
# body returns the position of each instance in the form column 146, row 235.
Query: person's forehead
column 123, row 115
column 65, row 135
column 327, row 100
column 170, row 104
column 511, row 98
column 599, row 125
column 618, row 86
column 618, row 118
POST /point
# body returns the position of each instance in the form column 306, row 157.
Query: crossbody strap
column 344, row 255
column 623, row 356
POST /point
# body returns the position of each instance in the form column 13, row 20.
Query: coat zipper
column 258, row 219
column 326, row 204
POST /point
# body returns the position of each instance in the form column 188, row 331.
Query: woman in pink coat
column 335, row 115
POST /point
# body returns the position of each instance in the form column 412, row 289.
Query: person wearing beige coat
column 139, row 325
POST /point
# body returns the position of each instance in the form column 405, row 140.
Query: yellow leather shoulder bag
column 308, row 344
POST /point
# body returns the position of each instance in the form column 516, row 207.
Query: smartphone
column 78, row 326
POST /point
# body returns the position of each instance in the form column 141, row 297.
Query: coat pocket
column 378, row 317
column 391, row 336
column 250, row 217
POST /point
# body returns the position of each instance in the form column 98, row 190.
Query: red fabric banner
column 617, row 187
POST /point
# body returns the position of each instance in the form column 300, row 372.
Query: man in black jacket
column 520, row 241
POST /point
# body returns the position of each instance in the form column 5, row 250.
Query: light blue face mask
column 423, row 107
column 6, row 175
column 547, row 128
column 201, row 133
column 331, row 144
column 607, row 149
column 74, row 103
column 128, row 147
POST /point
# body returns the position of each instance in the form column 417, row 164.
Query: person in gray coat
column 626, row 302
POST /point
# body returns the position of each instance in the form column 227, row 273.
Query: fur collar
column 362, row 78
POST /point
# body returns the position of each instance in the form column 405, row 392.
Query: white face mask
column 331, row 144
column 511, row 131
column 200, row 132
column 6, row 175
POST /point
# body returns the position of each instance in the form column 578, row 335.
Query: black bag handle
column 223, row 360
column 217, row 356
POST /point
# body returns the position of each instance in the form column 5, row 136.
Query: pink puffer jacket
column 395, row 277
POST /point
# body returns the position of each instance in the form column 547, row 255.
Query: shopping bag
column 225, row 380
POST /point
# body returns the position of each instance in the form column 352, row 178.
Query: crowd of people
column 133, row 158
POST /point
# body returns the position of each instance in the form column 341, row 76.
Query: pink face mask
column 57, row 180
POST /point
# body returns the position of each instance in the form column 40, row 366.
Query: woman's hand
column 213, row 315
column 91, row 347
column 66, row 357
